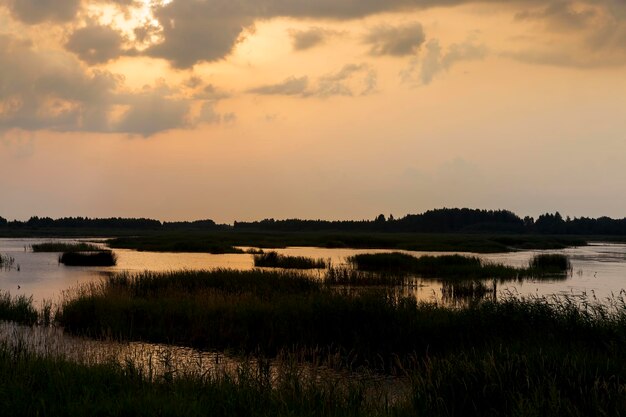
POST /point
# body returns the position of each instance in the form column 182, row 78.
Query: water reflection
column 600, row 268
column 166, row 361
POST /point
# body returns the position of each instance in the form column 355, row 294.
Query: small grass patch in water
column 100, row 258
column 7, row 262
column 276, row 260
column 65, row 247
column 444, row 266
column 459, row 266
column 553, row 263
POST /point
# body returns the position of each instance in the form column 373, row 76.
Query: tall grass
column 6, row 261
column 65, row 247
column 550, row 264
column 242, row 313
column 34, row 385
column 19, row 309
column 458, row 266
column 276, row 260
column 100, row 258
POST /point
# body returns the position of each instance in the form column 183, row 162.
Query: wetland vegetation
column 534, row 356
column 98, row 258
column 276, row 260
column 458, row 266
column 65, row 247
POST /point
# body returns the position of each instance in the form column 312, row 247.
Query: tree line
column 446, row 220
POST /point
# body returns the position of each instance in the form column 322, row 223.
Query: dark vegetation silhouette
column 445, row 220
column 99, row 258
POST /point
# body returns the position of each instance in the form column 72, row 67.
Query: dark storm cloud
column 395, row 41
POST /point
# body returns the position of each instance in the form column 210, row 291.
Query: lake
column 599, row 269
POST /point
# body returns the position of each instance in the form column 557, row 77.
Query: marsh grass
column 190, row 242
column 19, row 309
column 550, row 264
column 7, row 262
column 459, row 267
column 226, row 242
column 239, row 311
column 100, row 258
column 36, row 385
column 348, row 276
column 276, row 260
column 65, row 247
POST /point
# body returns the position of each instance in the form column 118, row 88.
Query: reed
column 19, row 309
column 550, row 264
column 459, row 266
column 241, row 313
column 100, row 258
column 276, row 260
column 65, row 247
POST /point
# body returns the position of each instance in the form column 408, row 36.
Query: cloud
column 352, row 79
column 562, row 15
column 151, row 113
column 53, row 91
column 37, row 11
column 307, row 39
column 395, row 41
column 343, row 83
column 292, row 86
column 436, row 61
column 198, row 31
column 96, row 44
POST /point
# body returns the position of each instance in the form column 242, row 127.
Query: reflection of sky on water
column 598, row 269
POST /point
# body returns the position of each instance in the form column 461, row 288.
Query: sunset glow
column 331, row 109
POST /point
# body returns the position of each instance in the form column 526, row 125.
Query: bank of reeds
column 276, row 260
column 458, row 266
column 19, row 309
column 348, row 276
column 99, row 258
column 244, row 315
column 65, row 247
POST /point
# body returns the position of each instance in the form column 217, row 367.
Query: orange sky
column 328, row 109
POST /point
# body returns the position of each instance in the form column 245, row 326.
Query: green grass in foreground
column 65, row 247
column 276, row 260
column 236, row 310
column 100, row 258
column 458, row 266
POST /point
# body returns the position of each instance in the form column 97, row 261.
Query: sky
column 331, row 109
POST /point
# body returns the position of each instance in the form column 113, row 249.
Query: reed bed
column 458, row 266
column 348, row 276
column 238, row 311
column 276, row 260
column 65, row 247
column 100, row 258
